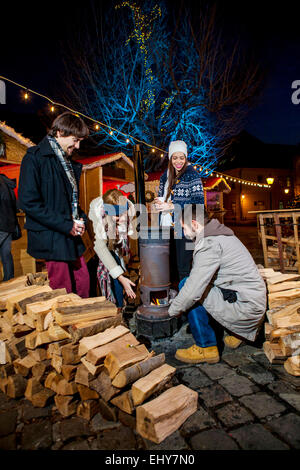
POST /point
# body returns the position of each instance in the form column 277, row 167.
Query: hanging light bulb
column 97, row 127
column 127, row 141
column 111, row 133
column 26, row 95
column 52, row 109
column 152, row 150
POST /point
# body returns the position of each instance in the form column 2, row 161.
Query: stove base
column 156, row 324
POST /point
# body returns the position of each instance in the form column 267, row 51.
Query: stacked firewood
column 282, row 331
column 79, row 353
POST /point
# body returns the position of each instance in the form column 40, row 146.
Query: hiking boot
column 232, row 342
column 195, row 354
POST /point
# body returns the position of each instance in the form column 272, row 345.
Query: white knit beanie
column 177, row 146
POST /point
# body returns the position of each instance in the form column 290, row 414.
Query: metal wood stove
column 152, row 317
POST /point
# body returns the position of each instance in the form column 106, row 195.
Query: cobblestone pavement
column 244, row 403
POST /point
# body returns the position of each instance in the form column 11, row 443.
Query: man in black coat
column 49, row 196
column 8, row 222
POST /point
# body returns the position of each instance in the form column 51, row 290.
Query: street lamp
column 270, row 181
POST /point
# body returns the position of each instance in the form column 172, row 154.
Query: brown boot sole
column 198, row 361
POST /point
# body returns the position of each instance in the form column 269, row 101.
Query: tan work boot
column 232, row 342
column 195, row 354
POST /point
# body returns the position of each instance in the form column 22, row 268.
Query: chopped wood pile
column 282, row 331
column 78, row 353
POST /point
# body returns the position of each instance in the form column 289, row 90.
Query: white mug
column 160, row 198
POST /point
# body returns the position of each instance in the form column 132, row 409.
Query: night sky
column 33, row 41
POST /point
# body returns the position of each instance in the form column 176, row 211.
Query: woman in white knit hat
column 179, row 184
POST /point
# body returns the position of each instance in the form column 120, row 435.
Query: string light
column 97, row 123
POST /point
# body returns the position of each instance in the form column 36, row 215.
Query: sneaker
column 195, row 354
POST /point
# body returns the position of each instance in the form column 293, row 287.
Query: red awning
column 12, row 171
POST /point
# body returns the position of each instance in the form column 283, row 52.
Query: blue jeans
column 117, row 287
column 199, row 320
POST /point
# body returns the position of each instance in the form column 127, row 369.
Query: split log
column 6, row 370
column 54, row 333
column 53, row 380
column 86, row 312
column 88, row 409
column 278, row 333
column 21, row 330
column 3, row 385
column 282, row 286
column 282, row 312
column 290, row 321
column 3, row 358
column 39, row 354
column 100, row 339
column 121, row 358
column 282, row 277
column 28, row 320
column 66, row 405
column 66, row 388
column 151, row 383
column 135, row 372
column 290, row 344
column 41, row 369
column 16, row 348
column 274, row 353
column 42, row 296
column 162, row 416
column 107, row 411
column 37, row 394
column 56, row 363
column 292, row 365
column 23, row 366
column 97, row 355
column 94, row 370
column 277, row 298
column 83, row 376
column 36, row 310
column 102, row 385
column 69, row 372
column 124, row 402
column 55, row 347
column 13, row 284
column 83, row 330
column 268, row 330
column 69, row 354
column 87, row 393
column 16, row 386
column 29, row 292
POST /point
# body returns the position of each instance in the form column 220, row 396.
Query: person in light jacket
column 224, row 284
column 112, row 217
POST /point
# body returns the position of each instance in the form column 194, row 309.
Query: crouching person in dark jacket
column 49, row 195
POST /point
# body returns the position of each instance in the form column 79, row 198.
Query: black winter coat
column 45, row 195
column 8, row 205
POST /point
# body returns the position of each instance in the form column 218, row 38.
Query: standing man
column 224, row 284
column 48, row 194
column 8, row 222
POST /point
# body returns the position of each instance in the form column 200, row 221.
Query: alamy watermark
column 296, row 94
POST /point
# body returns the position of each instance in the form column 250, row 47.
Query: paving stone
column 288, row 428
column 30, row 412
column 122, row 438
column 256, row 437
column 214, row 395
column 262, row 359
column 77, row 445
column 197, row 422
column 262, row 404
column 233, row 415
column 173, row 442
column 193, row 378
column 98, row 423
column 74, row 427
column 257, row 373
column 8, row 442
column 236, row 359
column 8, row 422
column 216, row 371
column 279, row 386
column 214, row 439
column 37, row 436
column 238, row 386
column 292, row 398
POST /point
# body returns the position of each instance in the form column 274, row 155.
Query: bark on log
column 121, row 358
column 102, row 338
column 97, row 355
column 135, row 372
column 151, row 383
column 83, row 330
